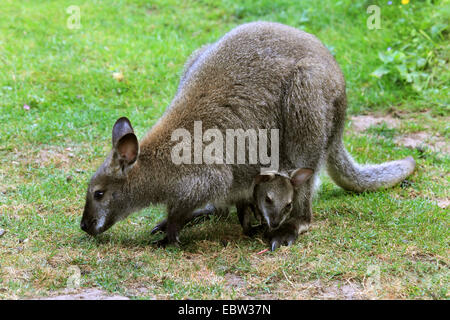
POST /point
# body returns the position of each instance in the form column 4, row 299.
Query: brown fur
column 262, row 76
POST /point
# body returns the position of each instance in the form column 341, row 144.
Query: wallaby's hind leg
column 309, row 126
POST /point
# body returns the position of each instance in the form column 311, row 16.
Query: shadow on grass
column 218, row 230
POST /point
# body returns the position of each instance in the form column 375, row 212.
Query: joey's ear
column 125, row 142
column 300, row 176
column 263, row 177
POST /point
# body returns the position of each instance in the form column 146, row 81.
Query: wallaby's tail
column 354, row 177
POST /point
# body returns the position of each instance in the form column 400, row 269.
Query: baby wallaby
column 273, row 196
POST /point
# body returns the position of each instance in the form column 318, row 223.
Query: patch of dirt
column 420, row 139
column 52, row 155
column 234, row 281
column 86, row 294
column 414, row 254
column 45, row 155
column 423, row 139
column 335, row 290
column 142, row 291
column 319, row 290
column 349, row 291
column 364, row 122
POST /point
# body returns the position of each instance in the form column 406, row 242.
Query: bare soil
column 413, row 140
column 86, row 294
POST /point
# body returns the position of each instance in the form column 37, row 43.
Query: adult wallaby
column 258, row 76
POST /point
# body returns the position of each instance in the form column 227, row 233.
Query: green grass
column 48, row 153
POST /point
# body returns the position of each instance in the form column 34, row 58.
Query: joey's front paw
column 285, row 235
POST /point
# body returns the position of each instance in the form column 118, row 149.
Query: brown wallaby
column 259, row 76
column 273, row 196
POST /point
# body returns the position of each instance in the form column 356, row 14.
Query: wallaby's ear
column 120, row 129
column 128, row 148
column 264, row 177
column 125, row 143
column 300, row 176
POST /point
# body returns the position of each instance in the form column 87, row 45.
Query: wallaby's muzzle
column 89, row 227
column 91, row 224
column 94, row 227
column 87, row 221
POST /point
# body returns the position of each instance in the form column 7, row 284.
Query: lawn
column 62, row 88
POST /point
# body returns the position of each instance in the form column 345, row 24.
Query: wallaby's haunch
column 258, row 76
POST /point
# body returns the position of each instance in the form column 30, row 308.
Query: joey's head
column 274, row 193
column 108, row 199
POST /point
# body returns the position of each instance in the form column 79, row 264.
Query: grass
column 48, row 153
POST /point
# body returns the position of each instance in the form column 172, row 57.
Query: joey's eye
column 289, row 206
column 268, row 199
column 98, row 195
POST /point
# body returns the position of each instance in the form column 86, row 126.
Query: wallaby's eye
column 289, row 206
column 98, row 195
column 268, row 199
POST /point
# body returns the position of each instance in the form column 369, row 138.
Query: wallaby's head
column 108, row 197
column 273, row 194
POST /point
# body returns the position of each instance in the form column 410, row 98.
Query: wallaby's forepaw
column 283, row 236
column 160, row 227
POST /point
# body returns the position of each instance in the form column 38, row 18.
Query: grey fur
column 259, row 75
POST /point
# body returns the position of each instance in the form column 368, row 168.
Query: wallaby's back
column 245, row 72
column 242, row 80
